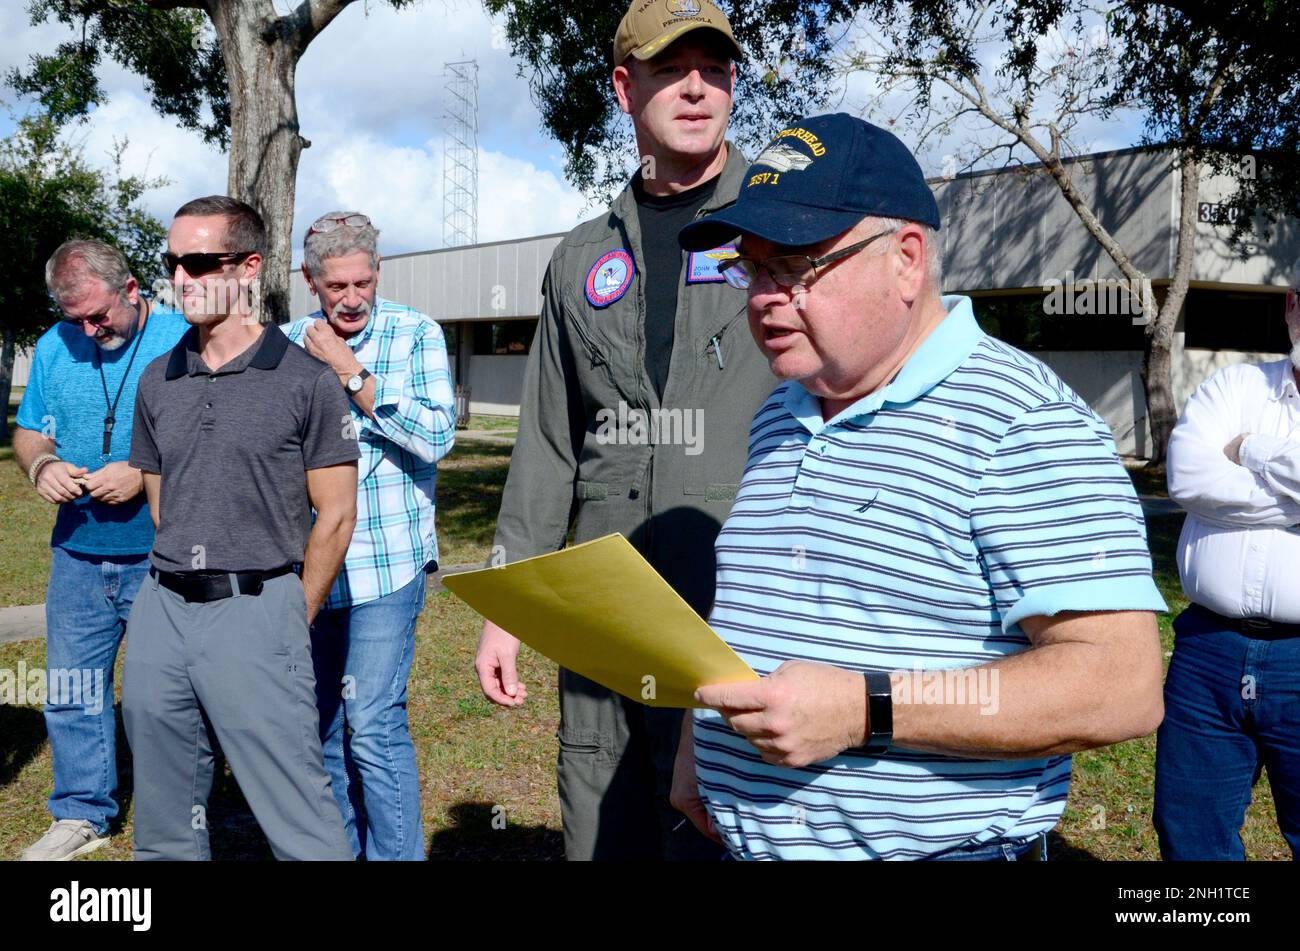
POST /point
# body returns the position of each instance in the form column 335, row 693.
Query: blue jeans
column 86, row 606
column 1232, row 707
column 362, row 657
column 999, row 850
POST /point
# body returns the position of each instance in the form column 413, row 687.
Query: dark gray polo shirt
column 233, row 446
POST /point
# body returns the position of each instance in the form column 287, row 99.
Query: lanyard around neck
column 110, row 417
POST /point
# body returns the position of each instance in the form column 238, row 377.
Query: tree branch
column 311, row 16
column 1052, row 164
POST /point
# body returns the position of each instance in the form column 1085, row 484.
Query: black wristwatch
column 880, row 711
column 357, row 381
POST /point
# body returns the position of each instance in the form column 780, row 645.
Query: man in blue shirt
column 392, row 362
column 935, row 561
column 72, row 440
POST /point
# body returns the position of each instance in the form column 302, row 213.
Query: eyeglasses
column 328, row 223
column 202, row 262
column 94, row 321
column 787, row 270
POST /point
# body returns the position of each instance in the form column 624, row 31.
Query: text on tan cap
column 649, row 26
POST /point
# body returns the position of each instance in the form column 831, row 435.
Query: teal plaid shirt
column 414, row 427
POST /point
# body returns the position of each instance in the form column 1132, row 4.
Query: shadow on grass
column 233, row 832
column 1061, row 850
column 1149, row 481
column 477, row 834
column 22, row 734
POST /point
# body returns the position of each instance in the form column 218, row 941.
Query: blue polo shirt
column 914, row 531
column 65, row 399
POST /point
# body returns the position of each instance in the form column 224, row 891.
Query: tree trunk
column 261, row 56
column 6, row 380
column 1157, row 362
column 1157, row 382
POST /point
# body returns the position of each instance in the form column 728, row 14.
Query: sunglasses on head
column 328, row 223
column 202, row 262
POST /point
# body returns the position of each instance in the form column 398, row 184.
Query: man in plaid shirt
column 392, row 361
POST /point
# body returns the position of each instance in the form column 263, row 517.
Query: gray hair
column 933, row 248
column 73, row 261
column 1295, row 276
column 342, row 241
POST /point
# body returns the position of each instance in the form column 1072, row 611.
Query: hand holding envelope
column 600, row 610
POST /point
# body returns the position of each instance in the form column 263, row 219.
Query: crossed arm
column 1224, row 473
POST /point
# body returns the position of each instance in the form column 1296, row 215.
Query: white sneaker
column 65, row 840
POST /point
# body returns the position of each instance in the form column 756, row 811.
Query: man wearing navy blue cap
column 935, row 560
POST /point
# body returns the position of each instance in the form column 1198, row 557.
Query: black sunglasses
column 202, row 262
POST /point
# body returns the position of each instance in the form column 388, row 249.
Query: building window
column 507, row 338
column 1235, row 320
column 1023, row 321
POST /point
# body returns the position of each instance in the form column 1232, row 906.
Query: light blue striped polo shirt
column 914, row 531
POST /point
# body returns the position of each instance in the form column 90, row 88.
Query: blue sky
column 370, row 93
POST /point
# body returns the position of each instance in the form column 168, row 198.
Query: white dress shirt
column 1239, row 552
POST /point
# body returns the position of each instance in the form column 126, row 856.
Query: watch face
column 354, row 384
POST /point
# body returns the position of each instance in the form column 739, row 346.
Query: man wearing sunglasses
column 633, row 330
column 240, row 436
column 72, row 439
column 392, row 361
column 935, row 561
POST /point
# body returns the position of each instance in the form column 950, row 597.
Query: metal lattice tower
column 460, row 155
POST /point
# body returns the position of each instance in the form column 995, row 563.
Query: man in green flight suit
column 639, row 389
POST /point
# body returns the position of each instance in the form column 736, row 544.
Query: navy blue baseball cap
column 818, row 179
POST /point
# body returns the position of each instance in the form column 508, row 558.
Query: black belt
column 211, row 586
column 1260, row 627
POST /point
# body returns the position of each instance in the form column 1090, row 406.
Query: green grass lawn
column 25, row 524
column 504, row 425
column 475, row 758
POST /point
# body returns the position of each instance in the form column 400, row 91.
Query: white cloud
column 156, row 147
column 370, row 100
column 400, row 188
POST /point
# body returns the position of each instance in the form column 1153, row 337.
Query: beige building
column 1010, row 241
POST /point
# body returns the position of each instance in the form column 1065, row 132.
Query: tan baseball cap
column 649, row 26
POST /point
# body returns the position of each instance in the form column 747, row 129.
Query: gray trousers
column 614, row 772
column 239, row 667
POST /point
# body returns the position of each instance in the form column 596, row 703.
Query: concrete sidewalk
column 27, row 623
column 22, row 623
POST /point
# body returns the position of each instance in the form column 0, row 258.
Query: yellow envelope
column 599, row 609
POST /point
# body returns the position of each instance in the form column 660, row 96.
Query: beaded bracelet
column 38, row 464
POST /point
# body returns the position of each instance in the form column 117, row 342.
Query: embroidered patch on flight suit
column 609, row 278
column 702, row 266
